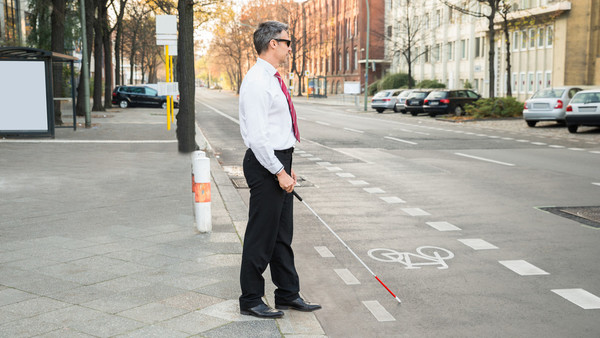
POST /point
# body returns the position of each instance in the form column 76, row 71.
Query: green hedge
column 393, row 81
column 430, row 84
column 495, row 108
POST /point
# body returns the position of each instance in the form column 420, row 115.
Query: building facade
column 335, row 47
column 13, row 23
column 551, row 43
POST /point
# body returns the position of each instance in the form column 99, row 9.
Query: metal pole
column 85, row 70
column 367, row 54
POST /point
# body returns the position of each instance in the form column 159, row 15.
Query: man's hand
column 286, row 182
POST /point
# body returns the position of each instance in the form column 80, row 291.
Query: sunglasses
column 288, row 42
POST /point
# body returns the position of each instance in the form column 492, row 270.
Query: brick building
column 335, row 42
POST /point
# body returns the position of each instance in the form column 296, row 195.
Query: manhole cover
column 585, row 215
column 240, row 182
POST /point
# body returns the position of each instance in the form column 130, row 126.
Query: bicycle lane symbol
column 427, row 255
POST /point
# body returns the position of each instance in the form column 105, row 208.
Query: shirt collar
column 266, row 66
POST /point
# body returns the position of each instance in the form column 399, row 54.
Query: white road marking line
column 91, row 141
column 374, row 190
column 399, row 140
column 347, row 276
column 306, row 155
column 324, row 163
column 579, row 297
column 221, row 113
column 392, row 199
column 508, row 138
column 523, row 141
column 477, row 244
column 595, row 152
column 482, row 135
column 378, row 311
column 334, row 168
column 493, row 136
column 577, row 149
column 596, row 183
column 345, row 175
column 539, row 143
column 415, row 212
column 485, row 159
column 314, row 158
column 324, row 252
column 322, row 123
column 354, row 130
column 555, row 146
column 358, row 182
column 523, row 268
column 443, row 226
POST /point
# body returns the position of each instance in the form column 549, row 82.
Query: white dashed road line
column 523, row 268
column 374, row 190
column 477, row 244
column 378, row 311
column 485, row 159
column 580, row 297
column 358, row 182
column 347, row 276
column 443, row 226
column 415, row 212
column 346, row 175
column 322, row 123
column 392, row 199
column 334, row 168
column 399, row 140
column 324, row 252
column 354, row 130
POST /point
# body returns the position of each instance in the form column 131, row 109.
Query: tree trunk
column 508, row 66
column 57, row 19
column 108, row 69
column 132, row 55
column 186, row 119
column 118, row 45
column 98, row 31
column 89, row 29
column 492, row 52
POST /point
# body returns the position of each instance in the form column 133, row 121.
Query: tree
column 57, row 43
column 186, row 118
column 98, row 55
column 118, row 37
column 488, row 11
column 89, row 23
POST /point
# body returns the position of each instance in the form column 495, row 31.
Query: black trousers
column 268, row 237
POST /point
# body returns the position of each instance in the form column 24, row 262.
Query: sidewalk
column 97, row 238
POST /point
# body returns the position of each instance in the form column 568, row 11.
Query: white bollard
column 201, row 190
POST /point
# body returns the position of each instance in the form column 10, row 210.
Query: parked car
column 129, row 96
column 401, row 100
column 548, row 104
column 584, row 110
column 385, row 99
column 414, row 101
column 446, row 101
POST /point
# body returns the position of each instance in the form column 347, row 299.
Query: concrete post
column 201, row 190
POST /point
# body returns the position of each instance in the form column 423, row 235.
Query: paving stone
column 264, row 328
column 194, row 323
column 10, row 296
column 27, row 327
column 31, row 307
column 154, row 331
column 153, row 312
column 191, row 301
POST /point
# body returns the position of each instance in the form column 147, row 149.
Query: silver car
column 584, row 110
column 385, row 99
column 548, row 104
column 401, row 100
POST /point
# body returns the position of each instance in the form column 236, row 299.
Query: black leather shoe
column 298, row 304
column 262, row 311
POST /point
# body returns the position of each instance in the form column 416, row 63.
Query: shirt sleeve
column 255, row 102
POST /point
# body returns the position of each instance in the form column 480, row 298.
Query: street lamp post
column 367, row 54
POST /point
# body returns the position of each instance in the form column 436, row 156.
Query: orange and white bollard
column 201, row 190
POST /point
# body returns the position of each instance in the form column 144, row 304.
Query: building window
column 530, row 83
column 356, row 26
column 339, row 60
column 436, row 52
column 523, row 40
column 538, row 81
column 515, row 41
column 548, row 79
column 355, row 58
column 540, row 37
column 531, row 38
column 416, row 57
column 463, row 49
column 515, row 82
column 549, row 36
column 426, row 21
column 347, row 60
column 522, row 83
column 426, row 53
column 438, row 18
column 450, row 50
column 477, row 47
column 389, row 31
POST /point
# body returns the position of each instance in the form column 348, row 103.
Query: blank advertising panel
column 23, row 96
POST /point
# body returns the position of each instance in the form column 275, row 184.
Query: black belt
column 285, row 151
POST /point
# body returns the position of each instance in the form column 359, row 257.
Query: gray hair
column 266, row 32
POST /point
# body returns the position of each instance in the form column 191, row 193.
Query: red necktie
column 290, row 104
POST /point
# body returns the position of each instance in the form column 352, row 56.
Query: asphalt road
column 500, row 266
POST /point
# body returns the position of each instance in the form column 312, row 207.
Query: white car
column 584, row 110
column 385, row 99
column 548, row 104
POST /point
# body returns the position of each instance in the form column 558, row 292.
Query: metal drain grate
column 240, row 182
column 585, row 215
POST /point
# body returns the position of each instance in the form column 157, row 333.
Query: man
column 270, row 131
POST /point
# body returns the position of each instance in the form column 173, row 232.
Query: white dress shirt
column 265, row 119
